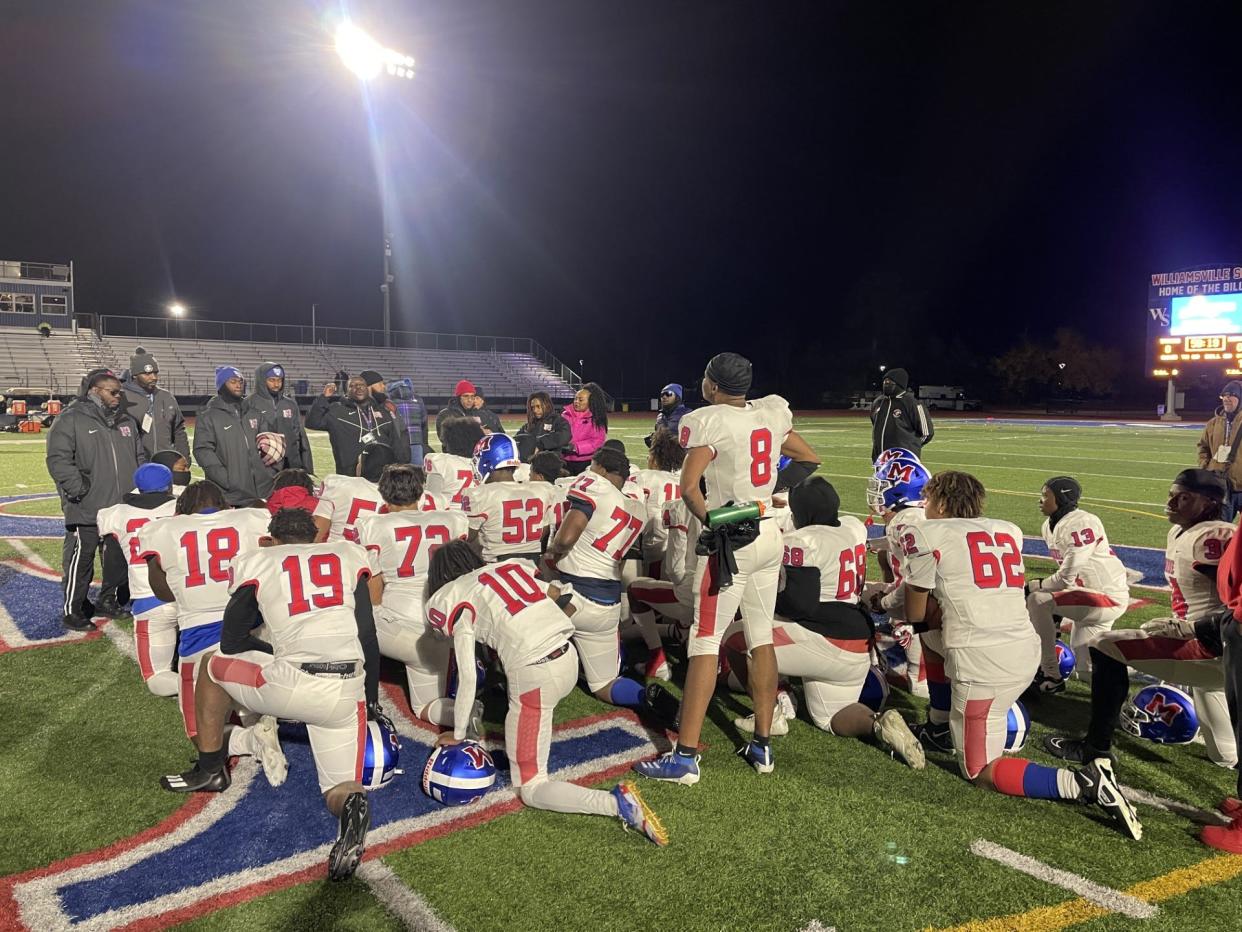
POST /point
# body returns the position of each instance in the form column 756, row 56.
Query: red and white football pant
column 649, row 596
column 1184, row 662
column 155, row 642
column 334, row 708
column 833, row 670
column 979, row 710
column 534, row 691
column 426, row 656
column 753, row 592
column 1092, row 613
column 597, row 641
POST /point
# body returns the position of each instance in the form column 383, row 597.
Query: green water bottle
column 732, row 514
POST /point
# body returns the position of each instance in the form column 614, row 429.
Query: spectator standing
column 226, row 441
column 588, row 427
column 898, row 418
column 268, row 395
column 93, row 450
column 460, row 405
column 544, row 429
column 671, row 409
column 411, row 409
column 154, row 409
column 1218, row 447
column 355, row 421
column 488, row 419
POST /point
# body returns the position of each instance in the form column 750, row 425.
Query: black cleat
column 197, row 781
column 661, row 705
column 1074, row 750
column 935, row 738
column 77, row 623
column 351, row 841
column 1099, row 785
column 110, row 608
column 1047, row 685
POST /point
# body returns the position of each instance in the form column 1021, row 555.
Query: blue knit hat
column 224, row 373
column 152, row 477
column 274, row 372
column 674, row 388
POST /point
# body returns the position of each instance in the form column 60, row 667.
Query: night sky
column 824, row 186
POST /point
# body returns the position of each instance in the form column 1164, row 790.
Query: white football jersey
column 400, row 544
column 746, row 447
column 894, row 600
column 1084, row 558
column 839, row 553
column 506, row 606
column 448, row 476
column 343, row 500
column 306, row 596
column 1194, row 595
column 683, row 531
column 510, row 517
column 197, row 552
column 659, row 488
column 974, row 568
column 123, row 521
column 560, row 501
column 614, row 522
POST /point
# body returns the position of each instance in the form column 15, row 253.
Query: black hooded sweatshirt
column 899, row 419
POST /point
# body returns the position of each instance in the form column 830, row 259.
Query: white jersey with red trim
column 448, row 476
column 746, row 446
column 343, row 500
column 659, row 488
column 1084, row 558
column 560, row 501
column 400, row 544
column 123, row 522
column 894, row 601
column 839, row 553
column 197, row 552
column 1202, row 545
column 306, row 596
column 508, row 609
column 510, row 517
column 614, row 521
column 683, row 530
column 974, row 568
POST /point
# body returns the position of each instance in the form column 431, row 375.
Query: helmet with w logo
column 1162, row 713
column 898, row 480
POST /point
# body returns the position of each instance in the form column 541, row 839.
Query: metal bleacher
column 49, row 365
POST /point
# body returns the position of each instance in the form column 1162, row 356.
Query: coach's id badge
column 1222, row 453
column 146, row 423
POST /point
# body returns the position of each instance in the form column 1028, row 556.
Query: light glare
column 361, row 54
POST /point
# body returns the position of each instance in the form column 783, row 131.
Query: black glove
column 1208, row 630
column 722, row 541
column 376, row 713
column 647, row 439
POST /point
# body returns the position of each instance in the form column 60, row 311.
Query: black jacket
column 550, row 432
column 284, row 411
column 167, row 430
column 488, row 419
column 225, row 447
column 91, row 461
column 899, row 421
column 348, row 423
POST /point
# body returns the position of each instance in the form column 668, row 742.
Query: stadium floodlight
column 176, row 309
column 366, row 57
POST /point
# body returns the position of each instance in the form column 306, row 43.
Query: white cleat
column 893, row 733
column 780, row 724
column 266, row 742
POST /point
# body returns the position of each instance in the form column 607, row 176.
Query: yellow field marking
column 1133, row 511
column 1205, row 873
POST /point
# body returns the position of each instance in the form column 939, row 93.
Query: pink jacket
column 586, row 438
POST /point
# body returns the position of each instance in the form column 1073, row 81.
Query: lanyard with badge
column 1227, row 452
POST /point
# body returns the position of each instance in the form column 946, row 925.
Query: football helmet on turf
column 1019, row 726
column 897, row 482
column 382, row 754
column 1162, row 713
column 458, row 774
column 495, row 451
column 875, row 690
column 1065, row 659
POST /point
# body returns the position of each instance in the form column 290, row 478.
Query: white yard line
column 28, row 553
column 1203, row 816
column 1104, row 897
column 405, row 904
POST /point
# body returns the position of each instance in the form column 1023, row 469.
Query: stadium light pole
column 368, row 58
column 176, row 309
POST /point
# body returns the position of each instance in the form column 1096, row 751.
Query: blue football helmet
column 382, row 754
column 480, row 672
column 1019, row 726
column 1065, row 659
column 458, row 774
column 1163, row 713
column 894, row 453
column 899, row 481
column 495, row 451
column 874, row 690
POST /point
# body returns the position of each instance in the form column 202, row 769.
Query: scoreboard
column 1194, row 322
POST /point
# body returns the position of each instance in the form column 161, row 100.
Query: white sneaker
column 780, row 724
column 893, row 733
column 787, row 704
column 266, row 743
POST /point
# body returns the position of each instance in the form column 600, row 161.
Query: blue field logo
column 221, row 850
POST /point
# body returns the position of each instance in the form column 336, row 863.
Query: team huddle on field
column 479, row 567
